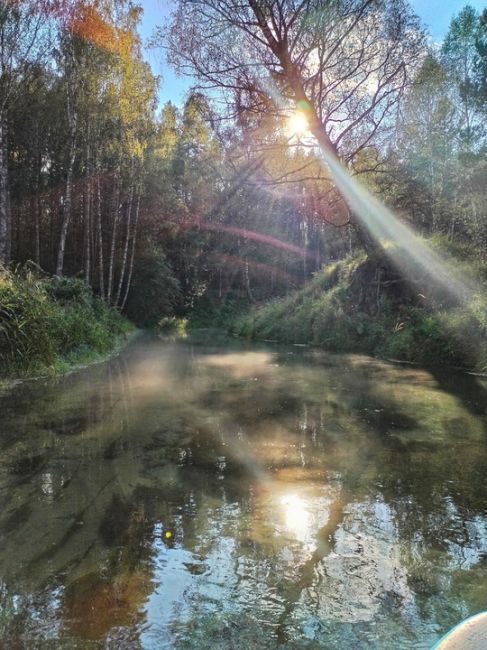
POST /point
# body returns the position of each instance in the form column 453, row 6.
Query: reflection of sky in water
column 310, row 499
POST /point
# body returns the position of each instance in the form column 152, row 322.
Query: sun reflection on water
column 297, row 517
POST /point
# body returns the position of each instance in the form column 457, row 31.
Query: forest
column 225, row 211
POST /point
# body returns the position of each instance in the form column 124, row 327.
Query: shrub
column 45, row 320
column 171, row 325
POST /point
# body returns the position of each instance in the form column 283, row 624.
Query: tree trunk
column 132, row 254
column 38, row 210
column 248, row 290
column 126, row 245
column 67, row 203
column 37, row 240
column 116, row 216
column 88, row 212
column 100, row 235
column 371, row 246
column 72, row 119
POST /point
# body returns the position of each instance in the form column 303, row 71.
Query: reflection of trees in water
column 207, row 444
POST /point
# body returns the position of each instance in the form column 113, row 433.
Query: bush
column 172, row 326
column 26, row 314
column 155, row 291
column 66, row 290
column 45, row 320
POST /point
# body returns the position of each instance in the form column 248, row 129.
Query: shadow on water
column 470, row 390
column 254, row 496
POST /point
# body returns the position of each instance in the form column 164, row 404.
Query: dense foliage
column 53, row 323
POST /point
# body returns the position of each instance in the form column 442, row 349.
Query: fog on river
column 217, row 492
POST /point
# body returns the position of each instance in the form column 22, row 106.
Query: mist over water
column 241, row 496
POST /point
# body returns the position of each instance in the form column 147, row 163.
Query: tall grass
column 47, row 322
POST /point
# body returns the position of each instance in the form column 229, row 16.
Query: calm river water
column 236, row 496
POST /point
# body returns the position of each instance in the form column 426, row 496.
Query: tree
column 481, row 63
column 427, row 150
column 22, row 41
column 461, row 57
column 346, row 65
column 79, row 128
column 82, row 31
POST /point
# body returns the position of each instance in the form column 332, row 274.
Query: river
column 241, row 496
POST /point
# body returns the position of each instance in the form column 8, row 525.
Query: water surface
column 241, row 496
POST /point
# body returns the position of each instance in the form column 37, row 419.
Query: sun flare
column 297, row 124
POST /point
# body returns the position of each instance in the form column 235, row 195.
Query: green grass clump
column 50, row 324
column 172, row 326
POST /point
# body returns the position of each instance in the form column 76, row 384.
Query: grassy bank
column 355, row 306
column 49, row 326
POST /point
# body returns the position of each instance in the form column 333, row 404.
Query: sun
column 297, row 124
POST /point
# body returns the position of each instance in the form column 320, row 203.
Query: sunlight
column 412, row 254
column 418, row 262
column 297, row 124
column 409, row 251
column 296, row 516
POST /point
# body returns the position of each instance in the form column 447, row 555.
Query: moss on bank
column 356, row 305
column 49, row 326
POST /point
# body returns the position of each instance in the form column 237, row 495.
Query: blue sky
column 435, row 14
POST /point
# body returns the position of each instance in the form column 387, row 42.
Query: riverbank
column 356, row 306
column 51, row 326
